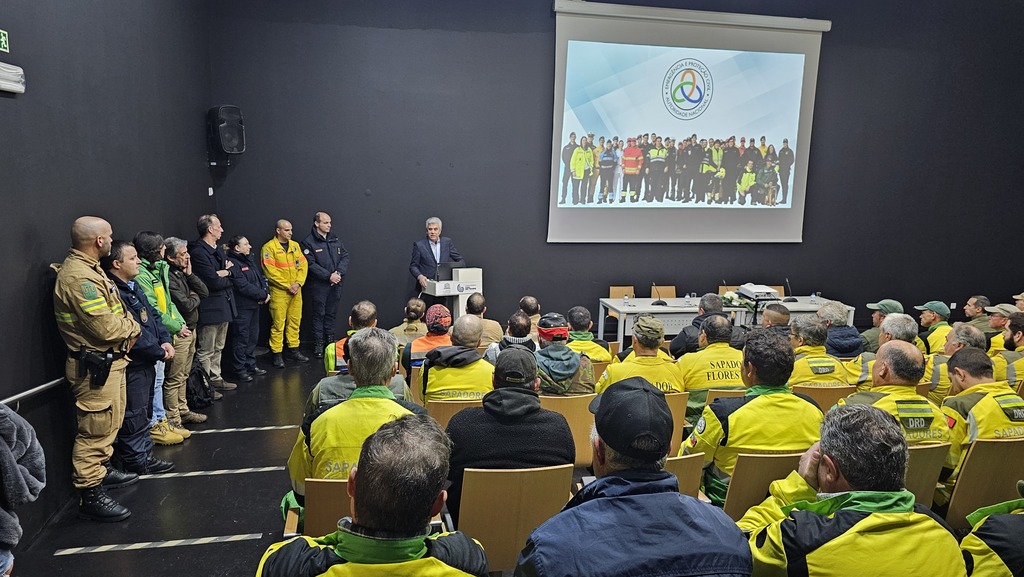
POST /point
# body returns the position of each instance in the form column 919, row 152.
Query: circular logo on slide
column 687, row 89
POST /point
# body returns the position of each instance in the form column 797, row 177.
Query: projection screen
column 623, row 72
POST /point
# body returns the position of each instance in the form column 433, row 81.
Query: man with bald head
column 98, row 331
column 458, row 372
column 285, row 268
column 897, row 370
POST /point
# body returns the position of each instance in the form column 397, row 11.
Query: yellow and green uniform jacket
column 455, row 374
column 586, row 346
column 921, row 420
column 582, row 160
column 996, row 345
column 357, row 551
column 659, row 372
column 716, row 366
column 995, row 546
column 1012, row 365
column 747, row 180
column 858, row 533
column 153, row 278
column 858, row 371
column 334, row 352
column 769, row 419
column 629, row 355
column 817, row 368
column 936, row 374
column 936, row 336
column 328, row 447
column 985, row 411
column 284, row 267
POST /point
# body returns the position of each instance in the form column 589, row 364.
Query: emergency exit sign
column 5, row 45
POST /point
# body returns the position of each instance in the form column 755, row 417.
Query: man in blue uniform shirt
column 328, row 265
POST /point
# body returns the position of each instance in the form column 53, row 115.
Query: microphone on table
column 659, row 302
column 789, row 291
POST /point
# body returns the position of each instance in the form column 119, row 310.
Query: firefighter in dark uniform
column 98, row 331
column 328, row 265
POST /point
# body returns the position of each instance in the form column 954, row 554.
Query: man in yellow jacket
column 813, row 365
column 285, row 267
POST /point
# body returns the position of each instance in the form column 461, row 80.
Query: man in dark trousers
column 567, row 151
column 510, row 431
column 786, row 159
column 217, row 309
column 133, row 447
column 328, row 265
column 427, row 253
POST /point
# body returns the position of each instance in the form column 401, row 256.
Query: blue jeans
column 159, row 413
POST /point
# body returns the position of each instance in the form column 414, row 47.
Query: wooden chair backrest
column 331, row 373
column 576, row 410
column 599, row 369
column 500, row 508
column 613, row 347
column 717, row 393
column 443, row 411
column 327, row 501
column 663, row 291
column 752, row 476
column 677, row 404
column 988, row 476
column 416, row 386
column 826, row 397
column 924, row 388
column 687, row 470
column 617, row 292
column 923, row 470
column 724, row 288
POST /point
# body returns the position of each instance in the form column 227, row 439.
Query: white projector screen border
column 594, row 22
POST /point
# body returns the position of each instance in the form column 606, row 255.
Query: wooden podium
column 465, row 281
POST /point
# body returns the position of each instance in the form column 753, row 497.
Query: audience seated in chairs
column 715, row 366
column 844, row 510
column 768, row 419
column 687, row 340
column 582, row 340
column 336, row 388
column 813, row 365
column 531, row 307
column 363, row 315
column 562, row 371
column 647, row 360
column 894, row 327
column 936, row 373
column 457, row 372
column 511, row 430
column 634, row 510
column 517, row 333
column 388, row 532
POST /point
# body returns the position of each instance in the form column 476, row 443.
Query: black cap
column 633, row 410
column 516, row 367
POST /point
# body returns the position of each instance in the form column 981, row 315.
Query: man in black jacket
column 218, row 309
column 510, row 431
column 687, row 341
column 328, row 265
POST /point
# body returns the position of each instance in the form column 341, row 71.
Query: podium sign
column 465, row 281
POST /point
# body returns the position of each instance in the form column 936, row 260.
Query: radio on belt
column 758, row 292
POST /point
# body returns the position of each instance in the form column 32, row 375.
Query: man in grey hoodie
column 562, row 371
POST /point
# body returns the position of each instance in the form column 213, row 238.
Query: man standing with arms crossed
column 98, row 331
column 328, row 265
column 217, row 309
column 285, row 268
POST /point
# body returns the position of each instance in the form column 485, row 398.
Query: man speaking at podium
column 427, row 253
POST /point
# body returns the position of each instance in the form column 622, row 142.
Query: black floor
column 233, row 507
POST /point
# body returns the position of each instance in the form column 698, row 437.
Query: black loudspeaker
column 225, row 130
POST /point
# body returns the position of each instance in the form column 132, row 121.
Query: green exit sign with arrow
column 5, row 45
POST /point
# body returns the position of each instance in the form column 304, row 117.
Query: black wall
column 111, row 124
column 385, row 113
column 387, row 116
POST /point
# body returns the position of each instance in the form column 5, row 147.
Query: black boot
column 318, row 350
column 278, row 361
column 296, row 355
column 115, row 479
column 96, row 505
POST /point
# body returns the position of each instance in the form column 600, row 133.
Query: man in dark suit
column 427, row 253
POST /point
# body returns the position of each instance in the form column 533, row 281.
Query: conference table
column 678, row 313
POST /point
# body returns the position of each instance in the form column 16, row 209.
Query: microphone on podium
column 659, row 302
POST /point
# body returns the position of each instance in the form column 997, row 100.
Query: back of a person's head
column 415, row 309
column 519, row 325
column 902, row 327
column 372, row 354
column 904, row 360
column 363, row 315
column 867, row 446
column 579, row 319
column 467, row 330
column 476, row 304
column 148, row 243
column 716, row 329
column 1015, row 324
column 529, row 305
column 972, row 361
column 770, row 354
column 401, row 471
column 777, row 314
column 811, row 329
column 438, row 319
column 968, row 336
column 835, row 313
column 711, row 303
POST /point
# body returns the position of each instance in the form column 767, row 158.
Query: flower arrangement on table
column 731, row 299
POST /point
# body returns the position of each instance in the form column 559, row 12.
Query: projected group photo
column 649, row 169
column 726, row 120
